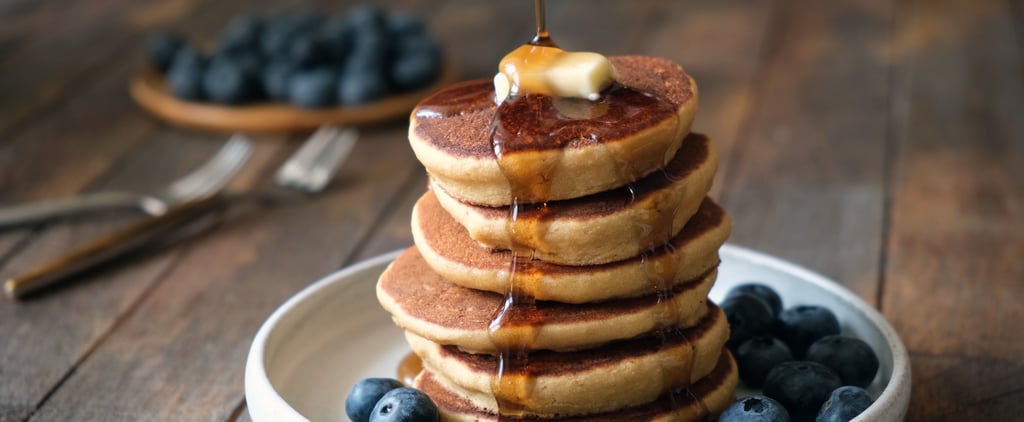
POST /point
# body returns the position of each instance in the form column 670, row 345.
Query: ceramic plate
column 307, row 355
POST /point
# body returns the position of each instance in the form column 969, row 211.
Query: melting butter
column 545, row 70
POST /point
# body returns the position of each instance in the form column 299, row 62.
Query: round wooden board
column 149, row 90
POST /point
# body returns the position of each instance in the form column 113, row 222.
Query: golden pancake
column 699, row 402
column 632, row 131
column 421, row 301
column 603, row 227
column 449, row 251
column 613, row 376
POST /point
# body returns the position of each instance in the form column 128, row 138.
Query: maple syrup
column 409, row 368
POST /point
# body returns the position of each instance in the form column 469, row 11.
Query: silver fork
column 200, row 183
column 309, row 170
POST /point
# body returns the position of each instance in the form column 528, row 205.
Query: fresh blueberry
column 366, row 16
column 242, row 33
column 748, row 316
column 313, row 88
column 337, row 36
column 415, row 69
column 277, row 32
column 275, row 77
column 802, row 325
column 401, row 24
column 306, row 50
column 364, row 396
column 161, row 48
column 801, row 386
column 756, row 358
column 185, row 76
column 851, row 358
column 405, row 405
column 763, row 291
column 227, row 81
column 757, row 408
column 358, row 86
column 843, row 404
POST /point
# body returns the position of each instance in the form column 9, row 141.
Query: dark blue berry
column 405, row 405
column 337, row 38
column 801, row 386
column 357, row 86
column 757, row 408
column 313, row 88
column 242, row 33
column 364, row 396
column 276, row 77
column 185, row 76
column 275, row 36
column 756, row 358
column 227, row 81
column 748, row 316
column 844, row 404
column 400, row 24
column 800, row 326
column 161, row 48
column 366, row 16
column 851, row 358
column 763, row 291
column 306, row 51
column 415, row 69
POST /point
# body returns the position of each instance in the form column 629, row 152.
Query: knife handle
column 109, row 247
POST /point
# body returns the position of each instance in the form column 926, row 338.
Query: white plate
column 333, row 333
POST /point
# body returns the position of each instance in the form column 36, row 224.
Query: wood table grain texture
column 878, row 142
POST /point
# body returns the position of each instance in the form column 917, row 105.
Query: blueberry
column 227, row 81
column 748, row 316
column 400, row 24
column 801, row 386
column 364, row 396
column 405, row 405
column 366, row 16
column 185, row 76
column 312, row 88
column 306, row 50
column 161, row 48
column 757, row 408
column 763, row 291
column 843, row 404
column 757, row 356
column 276, row 34
column 275, row 78
column 800, row 326
column 359, row 86
column 851, row 358
column 415, row 69
column 336, row 36
column 242, row 33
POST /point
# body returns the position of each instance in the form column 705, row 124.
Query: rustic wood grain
column 806, row 176
column 954, row 274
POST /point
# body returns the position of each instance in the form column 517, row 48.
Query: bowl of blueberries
column 807, row 349
column 294, row 71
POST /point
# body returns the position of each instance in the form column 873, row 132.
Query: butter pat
column 533, row 69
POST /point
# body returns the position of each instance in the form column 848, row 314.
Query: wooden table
column 878, row 142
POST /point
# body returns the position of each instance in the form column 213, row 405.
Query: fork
column 308, row 170
column 200, row 183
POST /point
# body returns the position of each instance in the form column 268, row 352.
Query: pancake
column 449, row 251
column 411, row 292
column 604, row 227
column 614, row 376
column 634, row 130
column 701, row 401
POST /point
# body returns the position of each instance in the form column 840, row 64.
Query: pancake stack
column 563, row 254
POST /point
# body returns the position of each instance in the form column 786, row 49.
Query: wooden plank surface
column 806, row 177
column 954, row 277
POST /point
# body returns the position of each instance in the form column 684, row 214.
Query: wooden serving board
column 149, row 90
